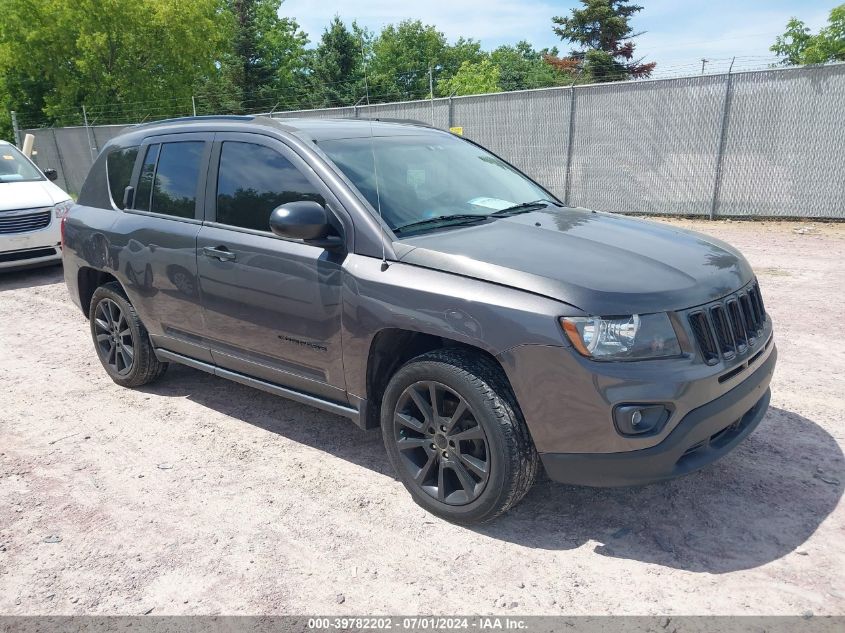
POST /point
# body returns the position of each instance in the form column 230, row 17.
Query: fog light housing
column 640, row 419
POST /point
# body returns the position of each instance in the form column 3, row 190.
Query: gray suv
column 412, row 281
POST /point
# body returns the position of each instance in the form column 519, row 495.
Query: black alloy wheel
column 440, row 443
column 115, row 342
column 120, row 338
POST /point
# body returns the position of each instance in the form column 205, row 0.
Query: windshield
column 14, row 167
column 428, row 176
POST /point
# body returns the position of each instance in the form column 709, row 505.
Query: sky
column 677, row 33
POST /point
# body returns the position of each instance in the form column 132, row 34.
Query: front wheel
column 121, row 340
column 456, row 437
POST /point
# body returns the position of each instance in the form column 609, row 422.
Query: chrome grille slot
column 703, row 334
column 751, row 324
column 757, row 300
column 17, row 222
column 724, row 337
column 737, row 325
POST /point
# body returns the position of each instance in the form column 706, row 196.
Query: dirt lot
column 197, row 495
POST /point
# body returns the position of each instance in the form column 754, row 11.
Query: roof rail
column 209, row 117
column 405, row 121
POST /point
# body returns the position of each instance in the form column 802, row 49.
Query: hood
column 30, row 195
column 602, row 263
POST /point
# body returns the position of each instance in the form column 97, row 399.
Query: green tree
column 402, row 54
column 473, row 79
column 604, row 34
column 401, row 57
column 797, row 46
column 266, row 64
column 521, row 67
column 336, row 65
column 123, row 59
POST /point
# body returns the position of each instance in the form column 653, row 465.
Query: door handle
column 219, row 252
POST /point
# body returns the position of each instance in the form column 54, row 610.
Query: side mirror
column 51, row 174
column 304, row 220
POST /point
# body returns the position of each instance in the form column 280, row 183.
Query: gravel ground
column 199, row 496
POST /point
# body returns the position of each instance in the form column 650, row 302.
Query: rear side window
column 252, row 181
column 177, row 178
column 169, row 178
column 145, row 180
column 119, row 165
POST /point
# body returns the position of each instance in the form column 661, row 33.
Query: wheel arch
column 88, row 280
column 390, row 349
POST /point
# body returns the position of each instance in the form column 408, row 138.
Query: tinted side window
column 145, row 180
column 119, row 164
column 252, row 181
column 176, row 178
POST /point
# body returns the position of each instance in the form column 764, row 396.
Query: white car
column 31, row 209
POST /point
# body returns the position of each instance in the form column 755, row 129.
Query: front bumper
column 703, row 436
column 30, row 257
column 31, row 248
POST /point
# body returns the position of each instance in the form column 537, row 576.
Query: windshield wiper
column 522, row 207
column 444, row 220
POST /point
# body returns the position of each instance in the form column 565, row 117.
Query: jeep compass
column 412, row 281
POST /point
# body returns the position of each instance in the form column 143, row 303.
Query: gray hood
column 602, row 263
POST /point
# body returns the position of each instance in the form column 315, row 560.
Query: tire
column 124, row 349
column 506, row 451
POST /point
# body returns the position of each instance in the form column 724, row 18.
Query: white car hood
column 30, row 195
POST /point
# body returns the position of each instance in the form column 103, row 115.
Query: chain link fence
column 760, row 143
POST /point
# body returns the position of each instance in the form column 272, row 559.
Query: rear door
column 272, row 306
column 158, row 230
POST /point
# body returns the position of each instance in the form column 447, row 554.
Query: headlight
column 635, row 337
column 62, row 208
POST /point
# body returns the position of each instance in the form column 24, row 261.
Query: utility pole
column 194, row 104
column 431, row 92
column 15, row 128
column 703, row 61
column 430, row 83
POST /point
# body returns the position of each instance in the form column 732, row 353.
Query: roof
column 309, row 129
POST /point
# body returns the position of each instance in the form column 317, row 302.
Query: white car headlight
column 62, row 208
column 635, row 337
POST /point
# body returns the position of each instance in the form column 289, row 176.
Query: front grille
column 730, row 326
column 17, row 222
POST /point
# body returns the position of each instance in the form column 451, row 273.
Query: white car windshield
column 430, row 176
column 15, row 168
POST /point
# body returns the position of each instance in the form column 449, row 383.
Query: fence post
column 570, row 145
column 451, row 115
column 91, row 145
column 61, row 161
column 723, row 126
column 15, row 127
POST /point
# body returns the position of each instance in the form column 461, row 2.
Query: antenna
column 384, row 264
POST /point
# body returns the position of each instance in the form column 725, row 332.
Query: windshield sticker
column 415, row 177
column 491, row 203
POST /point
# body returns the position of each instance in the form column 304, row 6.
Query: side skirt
column 326, row 405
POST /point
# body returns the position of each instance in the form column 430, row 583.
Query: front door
column 272, row 306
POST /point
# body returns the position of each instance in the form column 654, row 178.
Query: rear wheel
column 121, row 340
column 455, row 436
